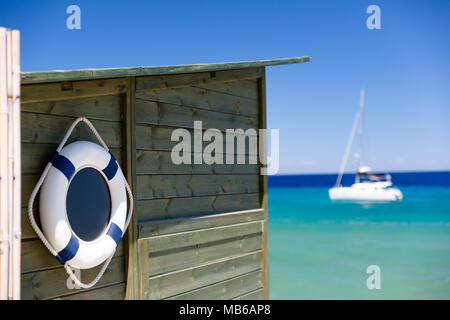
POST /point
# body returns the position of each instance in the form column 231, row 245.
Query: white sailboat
column 368, row 186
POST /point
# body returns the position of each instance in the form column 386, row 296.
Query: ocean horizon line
column 399, row 178
column 350, row 172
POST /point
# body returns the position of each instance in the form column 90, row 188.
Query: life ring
column 56, row 225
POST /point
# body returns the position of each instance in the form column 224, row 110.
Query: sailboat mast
column 358, row 120
column 360, row 131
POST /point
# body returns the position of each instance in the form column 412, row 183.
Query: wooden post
column 264, row 188
column 17, row 169
column 4, row 245
column 133, row 276
column 10, row 189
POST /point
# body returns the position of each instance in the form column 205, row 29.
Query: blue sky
column 404, row 67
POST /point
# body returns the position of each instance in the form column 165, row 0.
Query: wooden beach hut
column 199, row 231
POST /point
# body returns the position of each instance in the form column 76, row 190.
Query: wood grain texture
column 264, row 188
column 243, row 88
column 53, row 283
column 148, row 210
column 186, row 239
column 174, row 186
column 131, row 250
column 253, row 295
column 164, row 227
column 41, row 128
column 196, row 79
column 227, row 289
column 27, row 229
column 202, row 98
column 174, row 283
column 144, row 290
column 64, row 75
column 28, row 184
column 112, row 292
column 96, row 108
column 160, row 162
column 181, row 258
column 36, row 257
column 71, row 90
column 160, row 113
column 159, row 138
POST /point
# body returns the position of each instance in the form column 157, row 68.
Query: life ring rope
column 64, row 166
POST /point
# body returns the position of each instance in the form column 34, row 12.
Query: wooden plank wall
column 200, row 230
column 200, row 236
column 208, row 257
column 47, row 112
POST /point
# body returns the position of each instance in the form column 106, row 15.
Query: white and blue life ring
column 71, row 248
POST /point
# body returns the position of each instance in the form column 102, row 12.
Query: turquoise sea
column 321, row 249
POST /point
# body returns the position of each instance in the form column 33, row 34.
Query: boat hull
column 355, row 194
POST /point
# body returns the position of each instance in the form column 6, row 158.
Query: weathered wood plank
column 160, row 162
column 148, row 210
column 27, row 230
column 195, row 79
column 35, row 156
column 99, row 108
column 151, row 137
column 41, row 128
column 112, row 292
column 173, row 208
column 53, row 283
column 164, row 227
column 186, row 239
column 71, row 90
column 35, row 256
column 28, row 184
column 159, row 113
column 174, row 283
column 201, row 98
column 131, row 249
column 264, row 186
column 224, row 290
column 59, row 75
column 181, row 258
column 172, row 186
column 243, row 88
column 253, row 295
column 143, row 267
